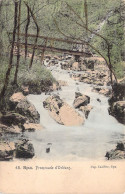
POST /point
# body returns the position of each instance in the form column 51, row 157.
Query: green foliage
column 119, row 69
column 48, row 10
column 34, row 75
column 25, row 76
column 113, row 31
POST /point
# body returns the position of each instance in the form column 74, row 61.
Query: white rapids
column 99, row 134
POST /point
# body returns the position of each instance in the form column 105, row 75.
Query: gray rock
column 13, row 119
column 81, row 100
column 118, row 153
column 61, row 112
column 117, row 110
column 28, row 110
column 24, row 149
column 6, row 151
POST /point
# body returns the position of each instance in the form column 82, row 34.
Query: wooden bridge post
column 42, row 54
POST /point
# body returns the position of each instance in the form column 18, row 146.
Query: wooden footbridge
column 49, row 44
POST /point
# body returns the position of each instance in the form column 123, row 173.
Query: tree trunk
column 0, row 27
column 26, row 30
column 18, row 44
column 37, row 34
column 86, row 16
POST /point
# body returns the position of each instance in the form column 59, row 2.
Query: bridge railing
column 50, row 44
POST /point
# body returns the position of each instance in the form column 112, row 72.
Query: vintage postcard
column 62, row 97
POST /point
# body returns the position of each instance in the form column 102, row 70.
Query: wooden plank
column 55, row 39
column 54, row 49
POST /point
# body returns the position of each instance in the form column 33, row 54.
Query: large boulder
column 81, row 100
column 21, row 149
column 118, row 153
column 24, row 149
column 28, row 110
column 117, row 102
column 11, row 118
column 118, row 93
column 115, row 155
column 20, row 104
column 61, row 112
column 118, row 111
column 104, row 91
column 32, row 87
column 6, row 151
column 14, row 129
column 120, row 146
column 15, row 99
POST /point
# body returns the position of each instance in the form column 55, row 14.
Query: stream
column 100, row 26
column 91, row 141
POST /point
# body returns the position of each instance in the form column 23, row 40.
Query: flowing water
column 100, row 26
column 90, row 141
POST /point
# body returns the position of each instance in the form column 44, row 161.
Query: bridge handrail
column 49, row 38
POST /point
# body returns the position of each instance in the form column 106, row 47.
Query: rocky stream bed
column 70, row 121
